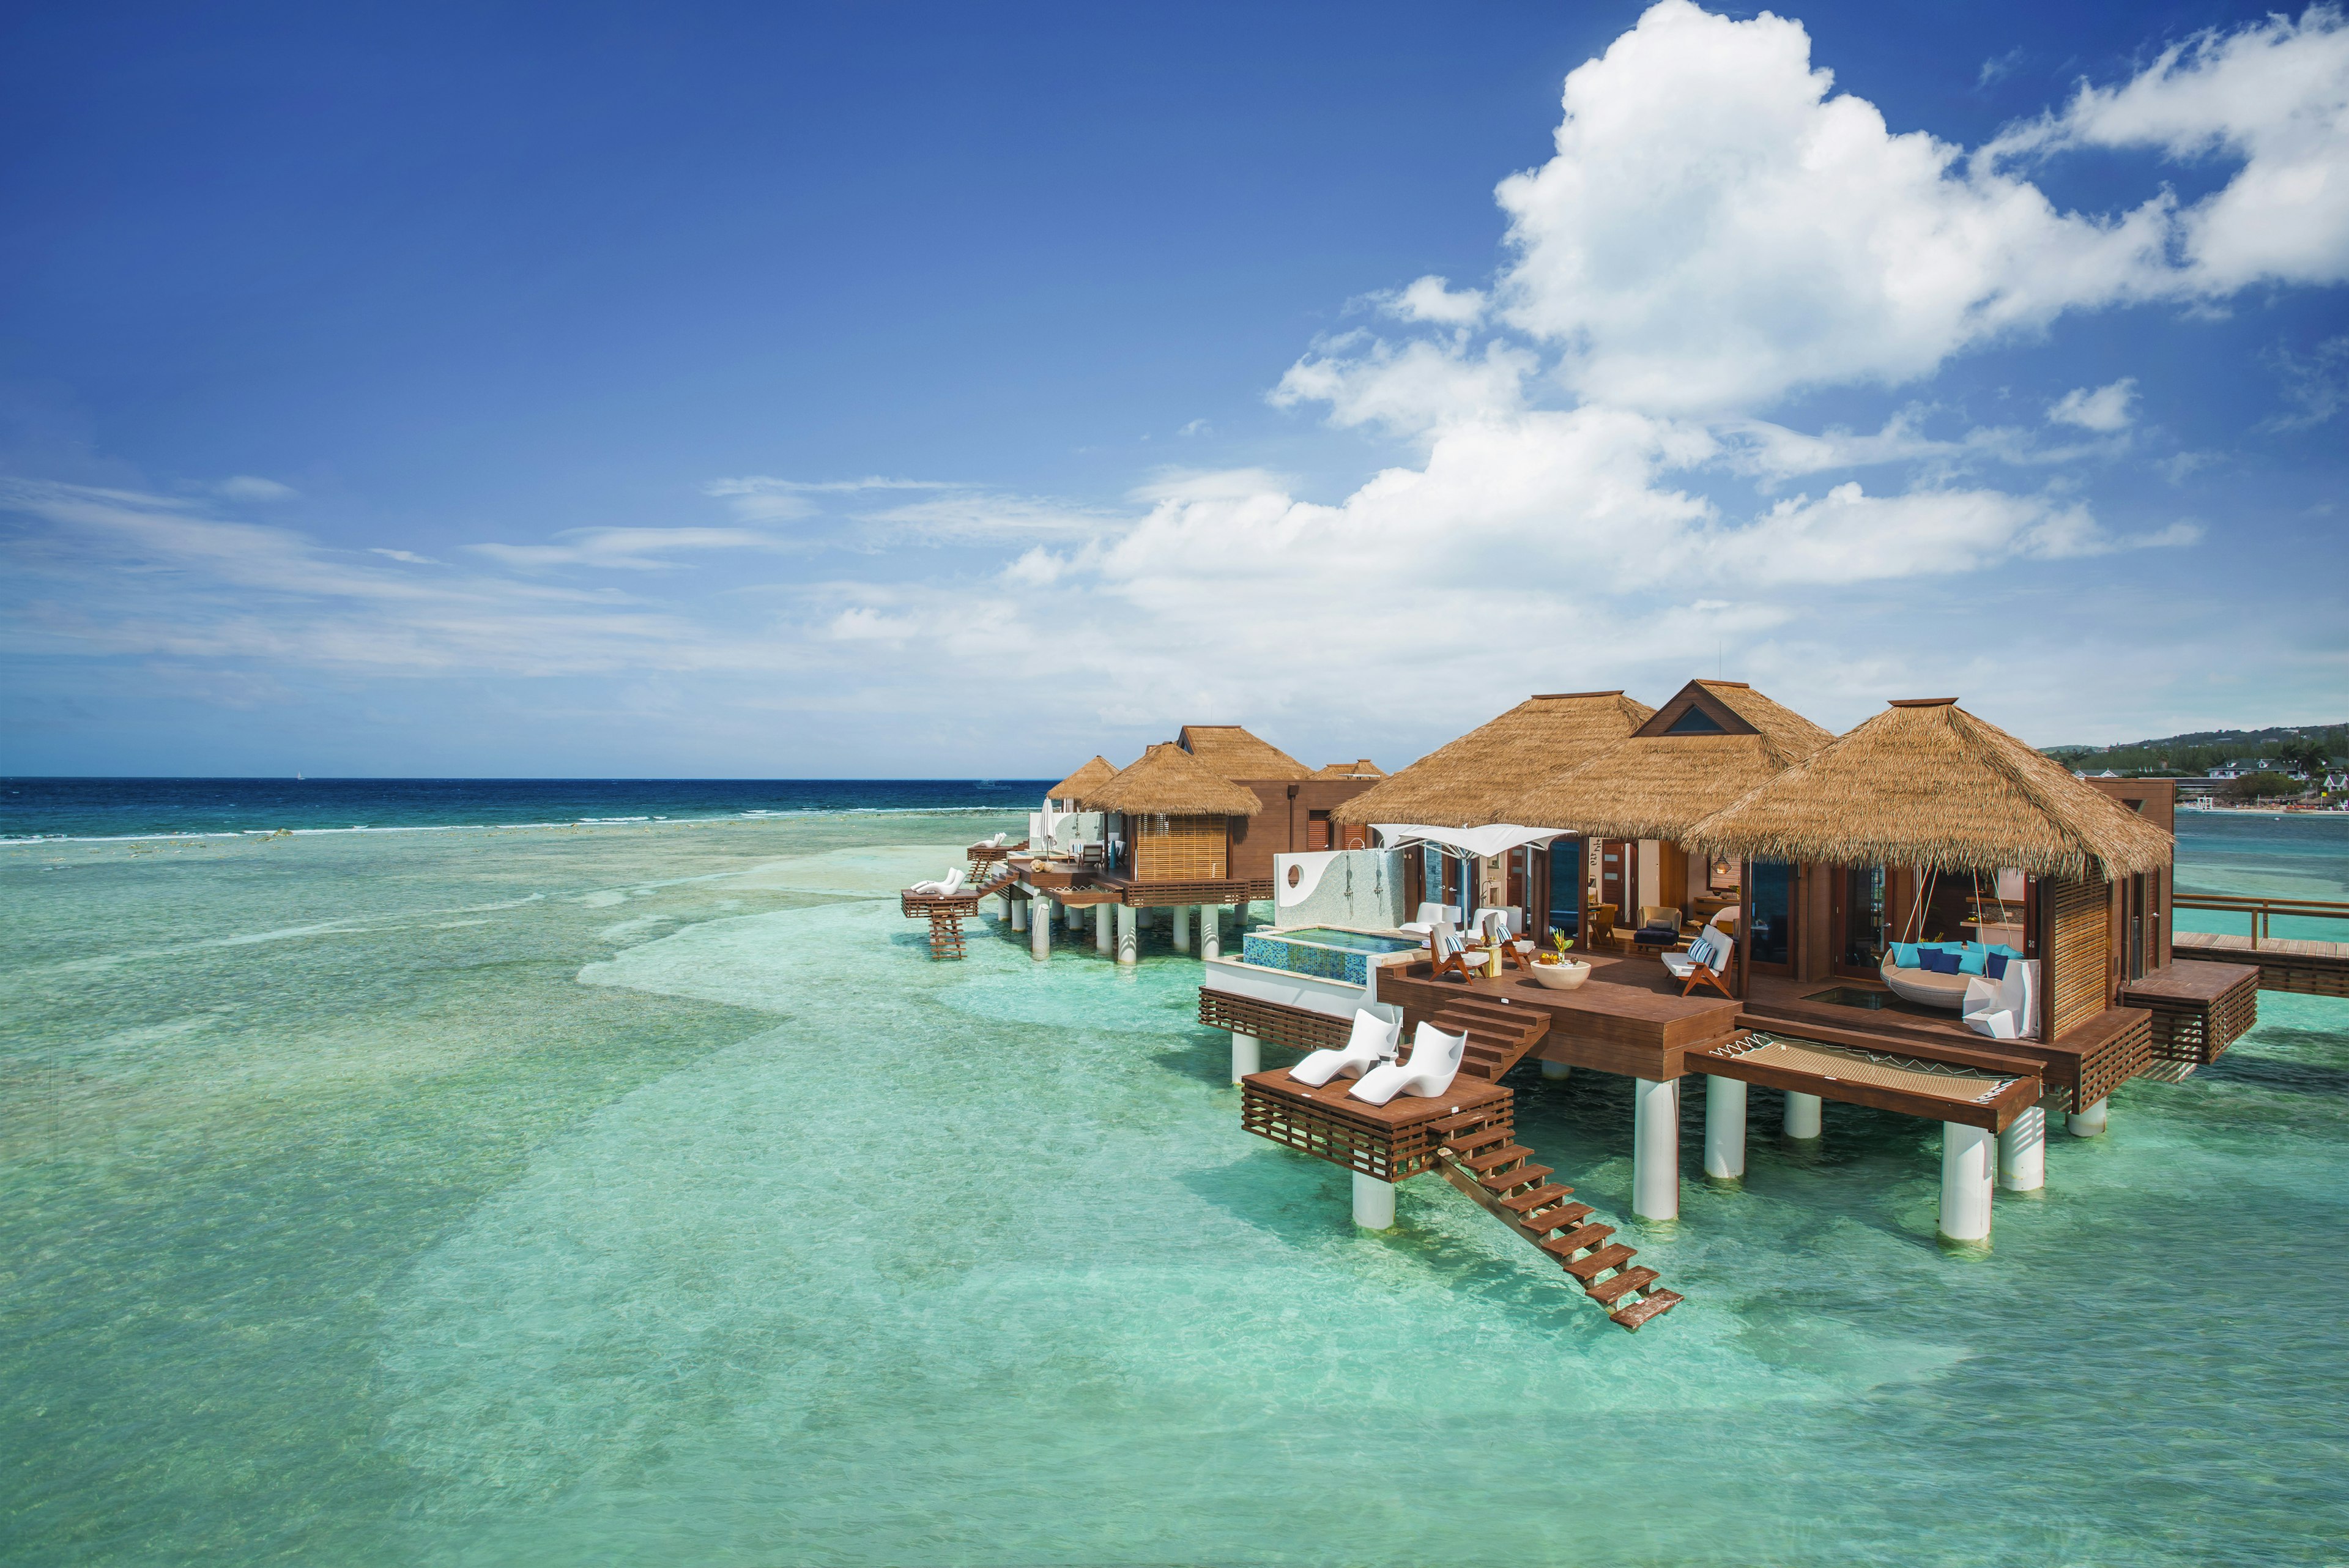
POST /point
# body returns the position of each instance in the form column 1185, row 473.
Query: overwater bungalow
column 1190, row 828
column 1869, row 888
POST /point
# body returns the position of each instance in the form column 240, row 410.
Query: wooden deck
column 2199, row 1008
column 1628, row 1017
column 1391, row 1142
column 2088, row 1063
column 2285, row 963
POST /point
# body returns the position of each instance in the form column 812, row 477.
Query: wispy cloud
column 630, row 549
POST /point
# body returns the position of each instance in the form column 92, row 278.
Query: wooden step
column 1446, row 1125
column 1505, row 1180
column 1575, row 1241
column 1599, row 1263
column 1484, row 1163
column 1557, row 1219
column 1468, row 1143
column 1539, row 1198
column 1607, row 1291
column 1640, row 1311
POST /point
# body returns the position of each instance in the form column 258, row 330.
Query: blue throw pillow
column 1994, row 965
column 1938, row 963
column 1973, row 960
column 1904, row 955
column 2004, row 951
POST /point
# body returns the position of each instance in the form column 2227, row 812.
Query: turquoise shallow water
column 645, row 1195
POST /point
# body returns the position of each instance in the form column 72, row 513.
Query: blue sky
column 857, row 390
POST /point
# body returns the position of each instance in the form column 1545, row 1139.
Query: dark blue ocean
column 139, row 807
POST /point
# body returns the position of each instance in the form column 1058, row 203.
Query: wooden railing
column 2261, row 911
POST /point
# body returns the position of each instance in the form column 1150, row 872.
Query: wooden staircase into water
column 1481, row 1155
column 946, row 914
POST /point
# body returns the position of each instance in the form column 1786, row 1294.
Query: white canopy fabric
column 1497, row 838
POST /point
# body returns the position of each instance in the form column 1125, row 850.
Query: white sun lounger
column 946, row 887
column 1434, row 1062
column 1371, row 1043
column 1424, row 922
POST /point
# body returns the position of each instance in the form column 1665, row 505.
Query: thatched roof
column 1467, row 784
column 1101, row 770
column 1236, row 754
column 1363, row 768
column 1169, row 781
column 1927, row 784
column 1713, row 741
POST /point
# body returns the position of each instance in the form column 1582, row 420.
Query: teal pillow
column 1904, row 955
column 1974, row 961
column 2003, row 950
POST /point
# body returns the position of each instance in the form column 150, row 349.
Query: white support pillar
column 1802, row 1116
column 1240, row 920
column 1104, row 928
column 1557, row 1072
column 2089, row 1123
column 1074, row 915
column 2023, row 1152
column 1040, row 931
column 1965, row 1182
column 1211, row 931
column 1373, row 1204
column 1018, row 911
column 1181, row 914
column 1656, row 1148
column 1724, row 1128
column 1129, row 943
column 1248, row 1055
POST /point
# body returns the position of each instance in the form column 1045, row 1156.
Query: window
column 1696, row 721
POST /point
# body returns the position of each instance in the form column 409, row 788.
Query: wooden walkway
column 2285, row 963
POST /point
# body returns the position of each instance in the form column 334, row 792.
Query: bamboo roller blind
column 1180, row 848
column 2082, row 937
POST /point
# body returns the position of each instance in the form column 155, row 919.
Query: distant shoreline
column 2186, row 810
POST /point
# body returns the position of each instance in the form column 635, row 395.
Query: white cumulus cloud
column 2103, row 409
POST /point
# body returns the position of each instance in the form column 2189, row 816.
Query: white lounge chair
column 1371, row 1043
column 946, row 887
column 1423, row 923
column 2002, row 1008
column 1435, row 1063
column 1705, row 963
column 1511, row 921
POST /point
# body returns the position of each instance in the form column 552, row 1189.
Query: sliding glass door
column 1770, row 930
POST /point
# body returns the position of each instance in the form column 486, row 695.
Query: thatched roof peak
column 1169, row 781
column 1101, row 770
column 1927, row 784
column 1361, row 768
column 1707, row 746
column 1233, row 752
column 1467, row 783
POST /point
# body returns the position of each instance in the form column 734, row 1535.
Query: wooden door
column 1317, row 830
column 1615, row 873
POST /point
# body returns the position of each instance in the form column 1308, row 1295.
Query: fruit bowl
column 1562, row 976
